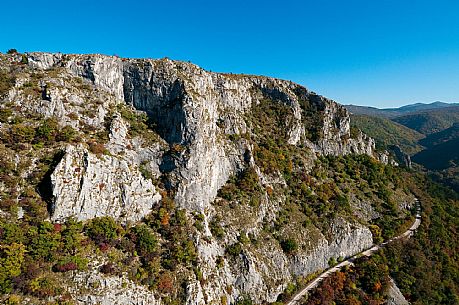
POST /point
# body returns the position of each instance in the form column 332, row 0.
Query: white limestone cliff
column 195, row 112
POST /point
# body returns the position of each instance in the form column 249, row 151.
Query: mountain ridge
column 181, row 180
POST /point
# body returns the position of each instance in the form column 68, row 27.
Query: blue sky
column 382, row 53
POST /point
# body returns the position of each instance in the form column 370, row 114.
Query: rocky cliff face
column 188, row 104
column 205, row 136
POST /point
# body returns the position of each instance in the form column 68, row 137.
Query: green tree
column 10, row 265
column 102, row 229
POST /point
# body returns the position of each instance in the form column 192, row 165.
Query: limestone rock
column 87, row 186
column 195, row 112
column 395, row 296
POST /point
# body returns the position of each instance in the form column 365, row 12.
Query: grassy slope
column 385, row 132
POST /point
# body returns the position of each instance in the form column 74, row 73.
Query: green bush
column 289, row 245
column 20, row 133
column 66, row 134
column 234, row 249
column 102, row 229
column 11, row 262
column 5, row 113
column 216, row 229
column 47, row 130
column 44, row 242
column 146, row 241
column 70, row 263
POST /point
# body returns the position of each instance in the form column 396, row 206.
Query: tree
column 10, row 265
column 102, row 229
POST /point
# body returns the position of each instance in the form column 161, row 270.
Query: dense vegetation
column 387, row 133
column 430, row 121
column 438, row 152
column 441, row 136
column 365, row 283
column 425, row 267
column 39, row 258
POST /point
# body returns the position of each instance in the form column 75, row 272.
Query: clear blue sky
column 380, row 53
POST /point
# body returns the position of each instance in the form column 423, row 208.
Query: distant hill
column 387, row 133
column 430, row 121
column 427, row 132
column 422, row 107
column 439, row 157
column 441, row 136
column 371, row 111
column 395, row 112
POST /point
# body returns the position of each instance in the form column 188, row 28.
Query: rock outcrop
column 194, row 108
column 395, row 296
column 205, row 136
column 86, row 186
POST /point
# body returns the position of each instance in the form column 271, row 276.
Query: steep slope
column 203, row 187
column 440, row 156
column 441, row 136
column 387, row 133
column 432, row 121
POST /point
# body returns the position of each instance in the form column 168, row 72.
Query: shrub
column 12, row 51
column 71, row 263
column 234, row 249
column 66, row 134
column 64, row 267
column 332, row 262
column 47, row 130
column 22, row 134
column 289, row 245
column 5, row 113
column 44, row 242
column 102, row 229
column 199, row 221
column 145, row 239
column 216, row 229
column 6, row 82
column 244, row 300
column 165, row 283
column 108, row 268
column 43, row 287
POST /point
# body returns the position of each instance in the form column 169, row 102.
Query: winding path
column 350, row 261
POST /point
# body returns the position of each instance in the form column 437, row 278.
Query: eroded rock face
column 196, row 113
column 263, row 273
column 196, row 109
column 86, row 185
column 395, row 296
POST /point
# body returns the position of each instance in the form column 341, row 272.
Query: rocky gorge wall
column 197, row 114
